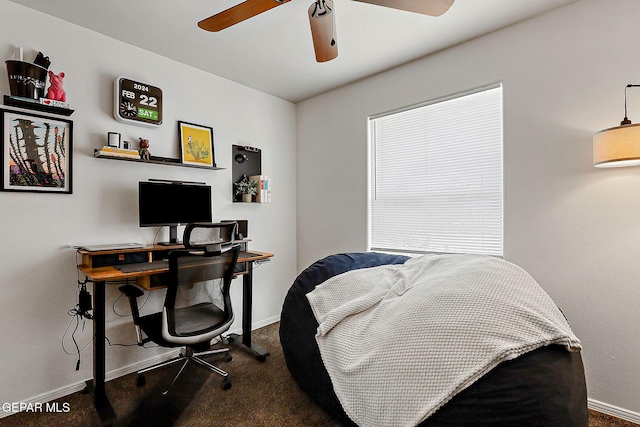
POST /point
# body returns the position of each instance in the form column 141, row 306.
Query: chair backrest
column 211, row 236
column 197, row 305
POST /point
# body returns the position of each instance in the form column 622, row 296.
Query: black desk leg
column 101, row 401
column 247, row 304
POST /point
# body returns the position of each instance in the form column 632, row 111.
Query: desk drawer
column 156, row 281
column 118, row 259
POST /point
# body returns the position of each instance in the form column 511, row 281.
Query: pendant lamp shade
column 617, row 147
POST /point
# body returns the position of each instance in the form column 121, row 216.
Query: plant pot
column 246, row 198
column 26, row 79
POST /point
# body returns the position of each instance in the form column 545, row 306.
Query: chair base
column 190, row 355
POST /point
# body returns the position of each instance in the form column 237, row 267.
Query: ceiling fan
column 321, row 18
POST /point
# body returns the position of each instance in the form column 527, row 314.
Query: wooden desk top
column 101, row 274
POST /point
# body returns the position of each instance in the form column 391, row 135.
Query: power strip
column 84, row 301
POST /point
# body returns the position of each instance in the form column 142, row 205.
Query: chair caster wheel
column 226, row 384
column 261, row 358
column 228, row 358
column 141, row 380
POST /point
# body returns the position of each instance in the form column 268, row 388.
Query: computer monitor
column 173, row 203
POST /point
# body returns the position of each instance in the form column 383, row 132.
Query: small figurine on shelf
column 144, row 149
column 56, row 92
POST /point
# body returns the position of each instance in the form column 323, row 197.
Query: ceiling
column 273, row 52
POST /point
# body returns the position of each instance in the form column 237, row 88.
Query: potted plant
column 246, row 187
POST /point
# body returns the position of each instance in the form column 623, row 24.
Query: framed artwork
column 196, row 144
column 37, row 153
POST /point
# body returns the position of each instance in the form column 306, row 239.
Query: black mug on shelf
column 26, row 80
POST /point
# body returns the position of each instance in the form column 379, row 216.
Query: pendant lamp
column 618, row 146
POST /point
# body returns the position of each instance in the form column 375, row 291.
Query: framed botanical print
column 196, row 144
column 37, row 153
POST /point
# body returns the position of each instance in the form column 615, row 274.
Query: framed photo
column 196, row 144
column 37, row 153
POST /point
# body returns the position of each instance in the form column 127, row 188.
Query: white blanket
column 399, row 341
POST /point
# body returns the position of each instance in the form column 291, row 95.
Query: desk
column 100, row 268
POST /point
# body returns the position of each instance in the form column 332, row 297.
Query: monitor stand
column 173, row 236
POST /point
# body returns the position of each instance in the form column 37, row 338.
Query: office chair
column 195, row 309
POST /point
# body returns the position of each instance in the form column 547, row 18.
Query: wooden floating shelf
column 154, row 160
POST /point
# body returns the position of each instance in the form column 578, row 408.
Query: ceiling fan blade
column 425, row 7
column 323, row 30
column 238, row 13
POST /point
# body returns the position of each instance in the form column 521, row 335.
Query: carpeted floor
column 263, row 395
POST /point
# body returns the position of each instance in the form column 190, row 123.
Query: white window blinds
column 436, row 177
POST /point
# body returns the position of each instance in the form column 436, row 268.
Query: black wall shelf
column 245, row 161
column 15, row 101
column 155, row 160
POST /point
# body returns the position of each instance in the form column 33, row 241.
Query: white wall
column 573, row 227
column 37, row 267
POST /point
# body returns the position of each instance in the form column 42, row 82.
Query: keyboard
column 243, row 254
column 143, row 266
column 160, row 264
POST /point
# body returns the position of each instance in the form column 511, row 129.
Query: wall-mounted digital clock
column 137, row 103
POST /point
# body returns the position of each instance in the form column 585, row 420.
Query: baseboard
column 264, row 323
column 120, row 372
column 615, row 411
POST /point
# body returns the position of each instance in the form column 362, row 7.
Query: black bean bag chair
column 545, row 387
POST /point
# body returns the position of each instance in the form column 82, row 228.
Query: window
column 436, row 176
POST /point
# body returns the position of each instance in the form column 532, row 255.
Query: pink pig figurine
column 55, row 91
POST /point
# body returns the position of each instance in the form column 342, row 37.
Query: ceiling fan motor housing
column 323, row 30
